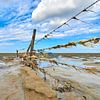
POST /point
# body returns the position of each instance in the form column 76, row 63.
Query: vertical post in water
column 32, row 42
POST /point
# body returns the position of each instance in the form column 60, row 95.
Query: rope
column 70, row 44
column 66, row 23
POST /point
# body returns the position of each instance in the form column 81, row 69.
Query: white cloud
column 58, row 9
column 47, row 9
column 6, row 44
column 76, row 31
column 7, row 3
column 49, row 14
column 13, row 32
column 17, row 15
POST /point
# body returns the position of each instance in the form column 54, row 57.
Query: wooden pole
column 29, row 47
column 17, row 53
column 32, row 42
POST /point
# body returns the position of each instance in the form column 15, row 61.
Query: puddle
column 2, row 65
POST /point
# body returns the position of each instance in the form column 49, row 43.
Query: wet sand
column 67, row 82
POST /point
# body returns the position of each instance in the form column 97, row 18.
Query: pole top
column 34, row 30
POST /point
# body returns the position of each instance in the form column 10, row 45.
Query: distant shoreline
column 60, row 54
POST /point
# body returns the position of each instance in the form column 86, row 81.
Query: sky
column 18, row 18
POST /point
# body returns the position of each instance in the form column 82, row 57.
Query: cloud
column 45, row 10
column 59, row 9
column 76, row 31
column 47, row 17
column 6, row 44
column 15, row 19
column 16, row 22
column 7, row 3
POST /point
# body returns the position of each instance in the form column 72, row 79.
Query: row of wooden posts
column 30, row 50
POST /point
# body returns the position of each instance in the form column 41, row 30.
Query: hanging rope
column 66, row 23
column 70, row 44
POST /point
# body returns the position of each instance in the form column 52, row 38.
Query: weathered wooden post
column 31, row 46
column 17, row 53
column 32, row 42
column 28, row 49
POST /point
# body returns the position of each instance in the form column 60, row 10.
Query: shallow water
column 79, row 62
column 43, row 64
column 1, row 62
column 2, row 65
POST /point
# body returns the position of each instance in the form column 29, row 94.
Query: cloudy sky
column 19, row 17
